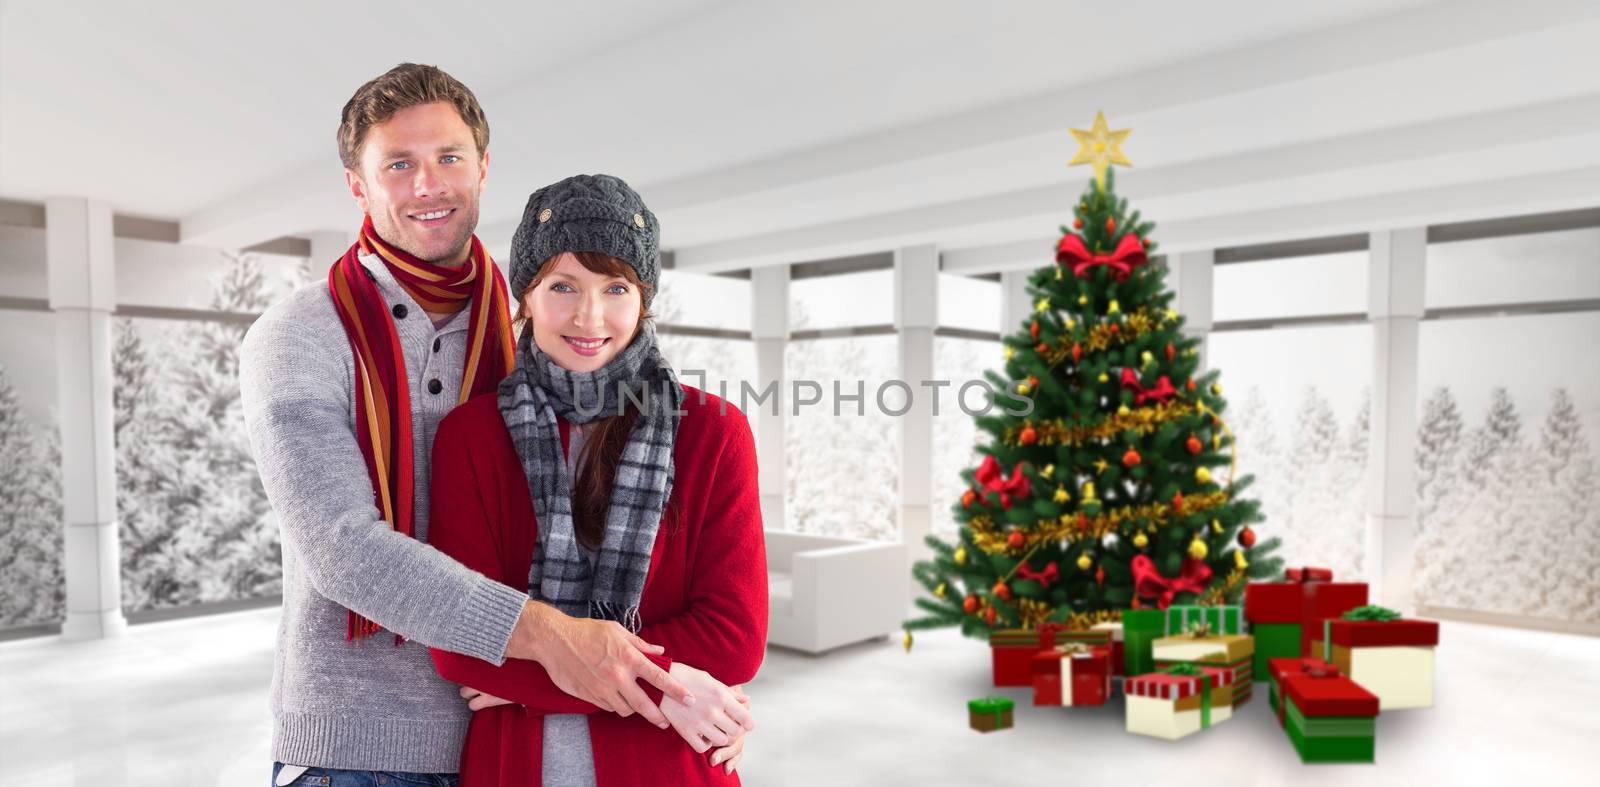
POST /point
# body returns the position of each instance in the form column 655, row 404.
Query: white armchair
column 826, row 592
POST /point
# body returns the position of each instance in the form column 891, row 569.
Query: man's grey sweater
column 369, row 704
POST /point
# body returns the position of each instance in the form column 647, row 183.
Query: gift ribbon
column 1308, row 575
column 1374, row 613
column 992, row 480
column 1315, row 668
column 1148, row 582
column 1191, row 671
column 1129, row 255
column 1161, row 391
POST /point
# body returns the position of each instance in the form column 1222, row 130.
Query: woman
column 609, row 490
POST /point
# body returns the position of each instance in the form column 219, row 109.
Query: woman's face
column 580, row 318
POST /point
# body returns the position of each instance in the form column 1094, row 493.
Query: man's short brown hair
column 404, row 86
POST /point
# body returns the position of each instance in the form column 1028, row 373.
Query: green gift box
column 1226, row 619
column 1140, row 629
column 990, row 713
column 1274, row 641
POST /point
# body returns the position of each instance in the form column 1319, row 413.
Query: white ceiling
column 767, row 132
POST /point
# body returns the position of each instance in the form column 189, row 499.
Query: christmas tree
column 1115, row 488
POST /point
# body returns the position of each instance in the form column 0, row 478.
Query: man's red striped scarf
column 382, row 398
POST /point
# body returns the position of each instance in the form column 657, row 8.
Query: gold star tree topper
column 1100, row 147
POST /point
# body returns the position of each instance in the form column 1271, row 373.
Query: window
column 32, row 590
column 966, row 302
column 1299, row 404
column 842, row 301
column 703, row 301
column 843, row 455
column 1291, row 287
column 1548, row 266
column 955, row 433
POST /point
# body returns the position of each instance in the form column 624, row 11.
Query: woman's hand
column 478, row 700
column 718, row 716
column 729, row 756
column 598, row 661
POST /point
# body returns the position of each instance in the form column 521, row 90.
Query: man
column 343, row 386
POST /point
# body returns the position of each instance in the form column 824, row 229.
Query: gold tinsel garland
column 1143, row 420
column 1136, row 324
column 1217, row 593
column 1067, row 527
column 1034, row 613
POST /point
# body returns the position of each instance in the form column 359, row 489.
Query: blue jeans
column 333, row 777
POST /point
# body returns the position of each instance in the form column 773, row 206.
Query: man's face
column 420, row 180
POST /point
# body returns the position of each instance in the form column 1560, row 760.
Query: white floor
column 184, row 703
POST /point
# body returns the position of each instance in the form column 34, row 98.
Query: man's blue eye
column 400, row 165
column 450, row 159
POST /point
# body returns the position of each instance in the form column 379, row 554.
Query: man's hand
column 729, row 756
column 478, row 700
column 596, row 661
column 716, row 720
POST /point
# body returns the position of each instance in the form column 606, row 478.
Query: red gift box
column 1072, row 678
column 1372, row 633
column 1328, row 695
column 1283, row 670
column 1307, row 597
column 1013, row 649
column 1308, row 574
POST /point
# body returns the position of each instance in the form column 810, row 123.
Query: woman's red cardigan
column 704, row 599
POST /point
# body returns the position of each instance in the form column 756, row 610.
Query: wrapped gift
column 1179, row 701
column 1140, row 629
column 1013, row 649
column 1281, row 668
column 1116, row 645
column 1228, row 619
column 1383, row 653
column 1232, row 653
column 1328, row 717
column 1284, row 615
column 1072, row 674
column 990, row 714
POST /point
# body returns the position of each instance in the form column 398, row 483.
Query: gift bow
column 1308, row 574
column 1184, row 670
column 1148, row 582
column 1047, row 577
column 1316, row 668
column 1129, row 255
column 1372, row 612
column 1072, row 649
column 992, row 480
column 1199, row 630
column 1161, row 391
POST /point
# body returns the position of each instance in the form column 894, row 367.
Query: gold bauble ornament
column 1123, row 410
column 1197, row 549
column 1071, row 324
column 1048, row 471
column 1103, row 378
column 1059, row 269
column 1147, row 358
column 1140, row 541
column 1100, row 147
column 1216, row 441
column 1061, row 495
column 1216, row 389
column 940, row 591
column 1088, row 490
column 1084, row 562
column 1083, row 300
column 1113, row 308
column 1009, row 352
column 1024, row 389
column 961, row 555
column 908, row 642
column 1202, row 475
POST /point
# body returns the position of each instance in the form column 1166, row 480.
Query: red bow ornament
column 1129, row 255
column 1148, row 582
column 1161, row 391
column 991, row 479
column 1047, row 577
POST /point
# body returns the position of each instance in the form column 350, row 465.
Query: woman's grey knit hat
column 598, row 213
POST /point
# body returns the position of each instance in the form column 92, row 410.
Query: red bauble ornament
column 1042, row 348
column 1077, row 224
column 1028, row 436
column 1001, row 591
column 1076, row 352
column 1189, row 385
column 969, row 604
column 1131, row 458
column 1100, row 576
column 1247, row 538
column 1193, row 445
column 1170, row 352
column 1015, row 539
column 1177, row 502
column 988, row 616
column 1033, row 330
column 1114, row 328
column 967, row 498
column 1033, row 382
column 1111, row 224
column 1083, row 523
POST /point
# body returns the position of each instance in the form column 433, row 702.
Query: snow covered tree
column 1569, row 547
column 31, row 575
column 1317, row 525
column 1440, row 484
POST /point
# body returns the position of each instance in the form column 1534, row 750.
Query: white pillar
column 1015, row 305
column 1395, row 281
column 916, row 312
column 769, row 327
column 1191, row 277
column 82, row 295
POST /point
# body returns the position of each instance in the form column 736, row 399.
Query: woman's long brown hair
column 604, row 438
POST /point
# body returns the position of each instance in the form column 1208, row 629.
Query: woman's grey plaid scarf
column 535, row 394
